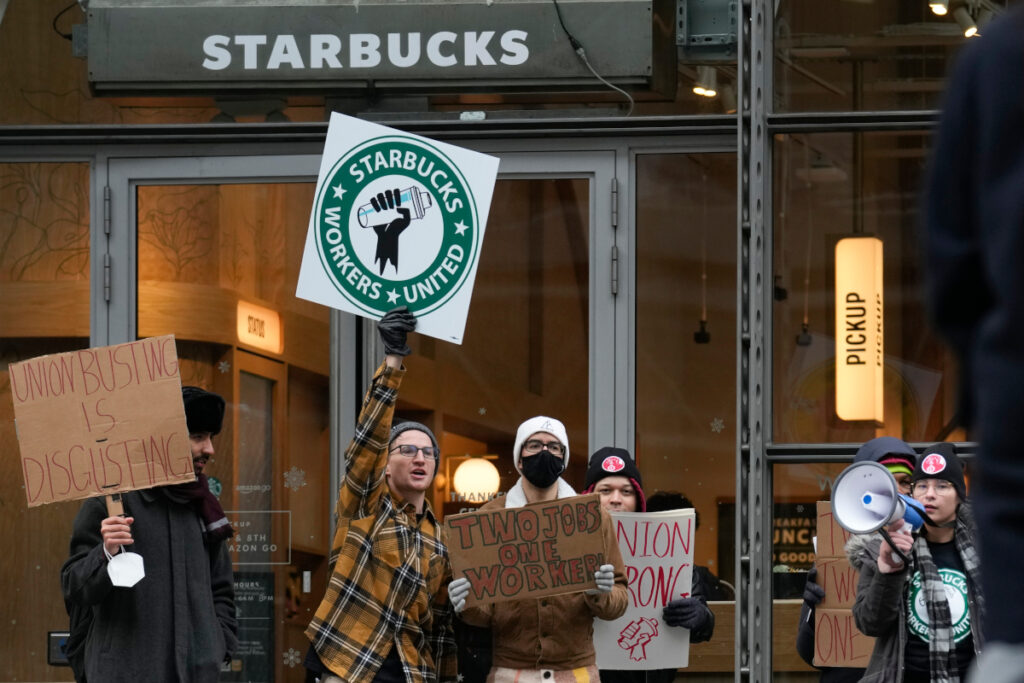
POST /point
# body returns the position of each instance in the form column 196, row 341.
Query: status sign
column 528, row 552
column 657, row 550
column 101, row 420
column 397, row 220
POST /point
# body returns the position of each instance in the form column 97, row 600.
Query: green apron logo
column 396, row 224
column 955, row 584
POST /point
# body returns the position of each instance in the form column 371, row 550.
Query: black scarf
column 197, row 494
column 941, row 649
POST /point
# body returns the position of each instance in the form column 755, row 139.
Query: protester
column 614, row 476
column 178, row 623
column 385, row 616
column 974, row 242
column 924, row 611
column 546, row 640
column 900, row 459
column 713, row 587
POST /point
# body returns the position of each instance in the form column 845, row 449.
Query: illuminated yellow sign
column 260, row 327
column 860, row 350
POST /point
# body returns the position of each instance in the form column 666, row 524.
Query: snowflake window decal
column 292, row 657
column 295, row 478
column 717, row 425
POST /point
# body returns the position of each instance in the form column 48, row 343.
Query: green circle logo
column 396, row 224
column 955, row 584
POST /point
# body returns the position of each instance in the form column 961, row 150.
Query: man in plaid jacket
column 385, row 616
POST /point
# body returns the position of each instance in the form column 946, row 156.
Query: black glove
column 813, row 593
column 393, row 328
column 689, row 613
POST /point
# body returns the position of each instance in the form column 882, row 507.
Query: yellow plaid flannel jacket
column 389, row 578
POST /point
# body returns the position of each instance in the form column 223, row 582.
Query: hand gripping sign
column 102, row 421
column 397, row 220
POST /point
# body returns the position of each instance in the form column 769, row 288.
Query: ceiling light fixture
column 939, row 7
column 967, row 25
column 984, row 16
column 706, row 84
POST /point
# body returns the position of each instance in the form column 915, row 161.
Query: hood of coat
column 862, row 548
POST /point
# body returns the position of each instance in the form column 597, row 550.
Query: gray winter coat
column 879, row 610
column 178, row 623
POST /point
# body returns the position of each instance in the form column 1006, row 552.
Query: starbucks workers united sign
column 397, row 220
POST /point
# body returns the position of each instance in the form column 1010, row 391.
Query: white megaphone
column 866, row 498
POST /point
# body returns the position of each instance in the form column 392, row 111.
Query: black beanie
column 204, row 410
column 940, row 461
column 610, row 461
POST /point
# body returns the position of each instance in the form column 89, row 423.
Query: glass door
column 209, row 249
column 541, row 317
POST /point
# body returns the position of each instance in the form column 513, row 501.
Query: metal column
column 753, row 480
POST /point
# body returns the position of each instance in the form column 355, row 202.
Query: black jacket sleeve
column 698, row 590
column 805, row 633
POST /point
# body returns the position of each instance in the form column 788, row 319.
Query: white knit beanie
column 540, row 424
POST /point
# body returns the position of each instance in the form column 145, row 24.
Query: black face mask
column 542, row 469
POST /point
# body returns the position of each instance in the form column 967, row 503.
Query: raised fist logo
column 635, row 637
column 389, row 214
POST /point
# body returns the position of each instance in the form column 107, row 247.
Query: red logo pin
column 933, row 463
column 613, row 463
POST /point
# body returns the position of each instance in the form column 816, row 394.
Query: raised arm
column 366, row 456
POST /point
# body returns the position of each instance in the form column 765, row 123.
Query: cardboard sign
column 101, row 420
column 832, row 538
column 540, row 549
column 839, row 580
column 837, row 642
column 657, row 551
column 397, row 220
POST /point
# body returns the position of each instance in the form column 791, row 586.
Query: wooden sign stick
column 114, row 506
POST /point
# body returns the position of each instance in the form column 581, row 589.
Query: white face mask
column 125, row 569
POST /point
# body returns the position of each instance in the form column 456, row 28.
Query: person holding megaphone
column 919, row 593
column 899, row 459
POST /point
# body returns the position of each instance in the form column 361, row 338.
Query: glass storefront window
column 525, row 349
column 686, row 359
column 218, row 265
column 827, row 187
column 44, row 309
column 796, row 544
column 864, row 56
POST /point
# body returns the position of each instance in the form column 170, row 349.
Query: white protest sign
column 657, row 550
column 397, row 220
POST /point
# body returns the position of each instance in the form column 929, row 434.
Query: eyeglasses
column 410, row 451
column 940, row 487
column 904, row 484
column 536, row 446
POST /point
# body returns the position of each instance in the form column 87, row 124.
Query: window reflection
column 202, row 251
column 830, row 186
column 44, row 309
column 525, row 347
column 865, row 56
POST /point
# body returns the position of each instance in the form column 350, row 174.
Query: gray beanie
column 415, row 426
